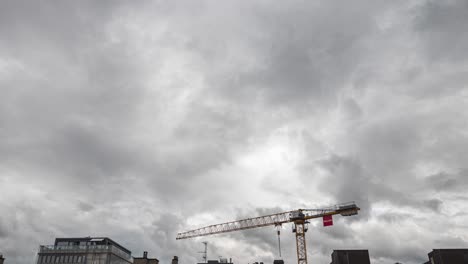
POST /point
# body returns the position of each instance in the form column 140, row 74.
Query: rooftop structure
column 145, row 259
column 220, row 261
column 84, row 250
column 448, row 256
column 350, row 257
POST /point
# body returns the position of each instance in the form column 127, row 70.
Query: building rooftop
column 145, row 257
column 96, row 240
column 74, row 245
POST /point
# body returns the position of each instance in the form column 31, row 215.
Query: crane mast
column 299, row 218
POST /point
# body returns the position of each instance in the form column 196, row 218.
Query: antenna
column 205, row 252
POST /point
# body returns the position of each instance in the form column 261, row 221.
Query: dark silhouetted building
column 448, row 256
column 84, row 250
column 175, row 260
column 2, row 259
column 145, row 259
column 350, row 257
column 220, row 261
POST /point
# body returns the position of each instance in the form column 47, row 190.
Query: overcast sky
column 139, row 119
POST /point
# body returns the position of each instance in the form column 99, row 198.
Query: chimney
column 175, row 260
column 145, row 254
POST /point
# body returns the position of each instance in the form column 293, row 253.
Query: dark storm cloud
column 446, row 182
column 86, row 207
column 443, row 26
column 137, row 121
column 347, row 181
column 303, row 54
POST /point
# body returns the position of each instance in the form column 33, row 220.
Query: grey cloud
column 434, row 204
column 347, row 181
column 443, row 25
column 447, row 181
column 447, row 241
column 142, row 116
column 3, row 229
column 85, row 206
column 394, row 217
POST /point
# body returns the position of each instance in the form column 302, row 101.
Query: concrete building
column 84, row 250
column 145, row 259
column 350, row 257
column 448, row 256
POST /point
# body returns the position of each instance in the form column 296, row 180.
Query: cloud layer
column 139, row 120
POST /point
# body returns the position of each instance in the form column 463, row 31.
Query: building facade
column 84, row 250
column 448, row 256
column 145, row 259
column 350, row 257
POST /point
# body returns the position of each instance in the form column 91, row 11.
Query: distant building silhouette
column 175, row 260
column 448, row 256
column 2, row 259
column 350, row 257
column 145, row 259
column 220, row 261
column 84, row 250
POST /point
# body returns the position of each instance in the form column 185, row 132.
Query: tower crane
column 298, row 217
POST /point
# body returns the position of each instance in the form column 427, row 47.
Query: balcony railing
column 85, row 249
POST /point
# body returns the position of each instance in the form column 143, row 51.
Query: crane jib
column 297, row 217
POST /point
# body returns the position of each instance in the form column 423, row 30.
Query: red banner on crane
column 328, row 220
